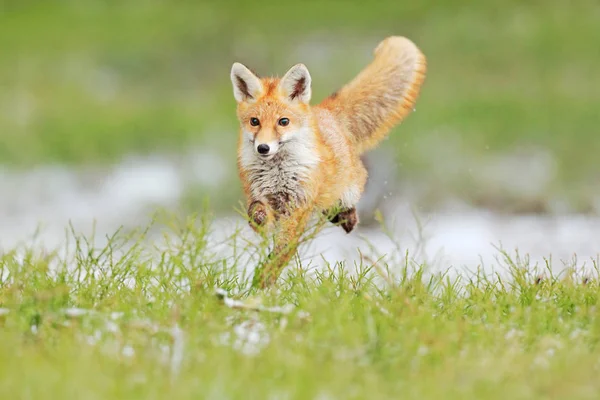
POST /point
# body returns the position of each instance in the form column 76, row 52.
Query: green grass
column 89, row 81
column 131, row 319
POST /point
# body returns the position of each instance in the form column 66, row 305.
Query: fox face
column 273, row 113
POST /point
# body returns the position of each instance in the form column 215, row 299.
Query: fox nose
column 263, row 148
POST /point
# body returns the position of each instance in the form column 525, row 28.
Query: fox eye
column 254, row 121
column 284, row 121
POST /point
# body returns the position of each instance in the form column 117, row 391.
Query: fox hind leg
column 345, row 215
column 347, row 218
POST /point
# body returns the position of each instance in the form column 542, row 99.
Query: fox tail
column 382, row 94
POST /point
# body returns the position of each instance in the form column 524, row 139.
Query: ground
column 169, row 319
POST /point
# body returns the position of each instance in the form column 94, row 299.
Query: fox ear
column 246, row 85
column 296, row 84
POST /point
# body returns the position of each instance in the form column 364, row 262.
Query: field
column 117, row 141
column 139, row 322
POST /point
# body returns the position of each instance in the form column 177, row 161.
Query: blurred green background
column 508, row 117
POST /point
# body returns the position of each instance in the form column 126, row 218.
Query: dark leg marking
column 257, row 213
column 281, row 203
column 347, row 219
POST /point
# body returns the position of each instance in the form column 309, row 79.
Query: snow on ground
column 51, row 197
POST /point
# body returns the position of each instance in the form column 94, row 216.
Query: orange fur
column 383, row 94
column 313, row 159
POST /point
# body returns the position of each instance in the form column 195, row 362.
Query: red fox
column 296, row 159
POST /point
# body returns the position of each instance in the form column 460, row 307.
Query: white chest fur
column 286, row 173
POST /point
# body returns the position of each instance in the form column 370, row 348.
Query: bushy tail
column 382, row 94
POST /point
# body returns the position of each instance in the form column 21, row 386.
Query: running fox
column 295, row 159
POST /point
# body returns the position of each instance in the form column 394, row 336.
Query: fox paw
column 257, row 213
column 347, row 219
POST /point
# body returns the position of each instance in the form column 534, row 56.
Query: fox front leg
column 259, row 214
column 287, row 240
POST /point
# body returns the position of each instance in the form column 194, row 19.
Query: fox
column 296, row 159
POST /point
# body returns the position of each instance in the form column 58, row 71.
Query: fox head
column 272, row 111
